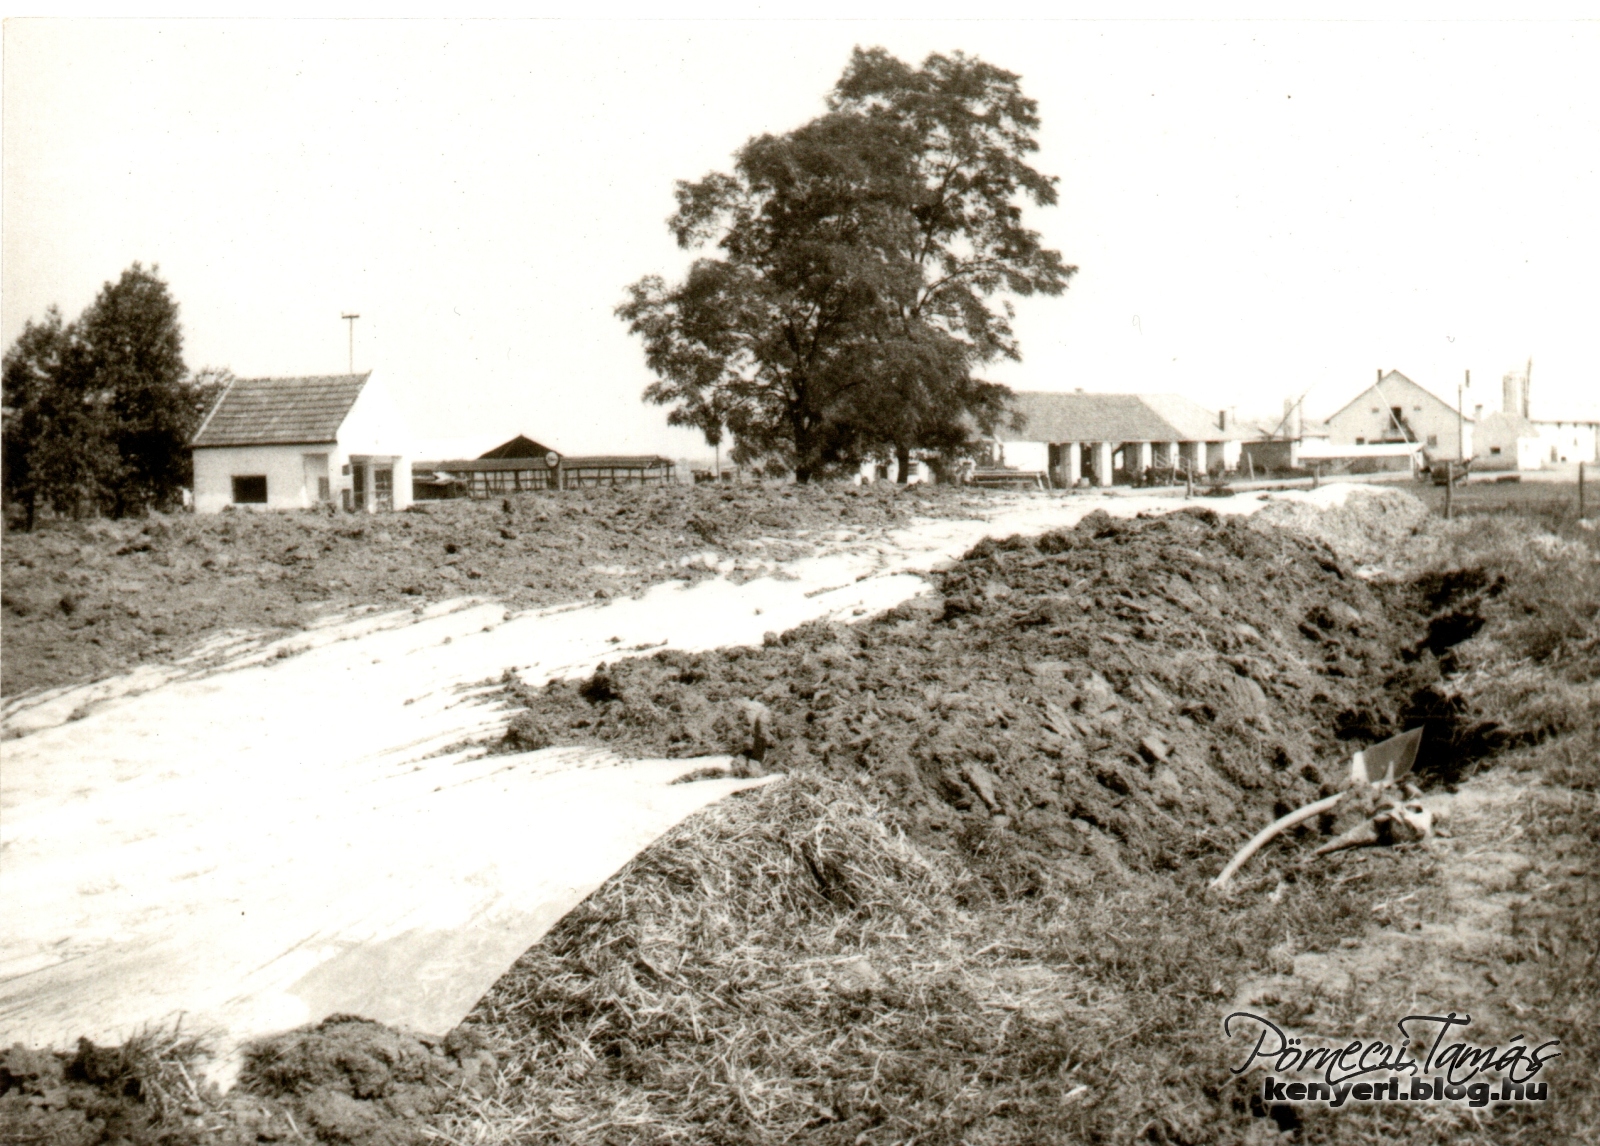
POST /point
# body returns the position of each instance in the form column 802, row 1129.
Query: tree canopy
column 860, row 259
column 99, row 412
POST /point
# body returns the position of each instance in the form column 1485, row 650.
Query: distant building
column 522, row 465
column 1514, row 438
column 1111, row 438
column 1395, row 411
column 1506, row 441
column 1568, row 441
column 295, row 443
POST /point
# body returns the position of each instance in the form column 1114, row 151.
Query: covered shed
column 1108, row 438
column 523, row 465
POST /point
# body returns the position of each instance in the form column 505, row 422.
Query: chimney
column 1380, row 376
column 1291, row 419
column 1224, row 419
column 1514, row 395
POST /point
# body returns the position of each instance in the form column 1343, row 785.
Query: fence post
column 1580, row 490
column 1449, row 488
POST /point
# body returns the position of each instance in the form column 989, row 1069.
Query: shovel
column 1388, row 761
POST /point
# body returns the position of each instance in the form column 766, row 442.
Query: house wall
column 1275, row 454
column 1025, row 455
column 1567, row 442
column 869, row 472
column 283, row 466
column 375, row 428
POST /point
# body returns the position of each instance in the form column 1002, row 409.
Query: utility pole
column 351, row 319
column 1461, row 430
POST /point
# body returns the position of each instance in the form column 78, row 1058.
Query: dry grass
column 1536, row 662
column 789, row 967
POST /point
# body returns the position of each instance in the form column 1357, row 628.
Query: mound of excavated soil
column 84, row 599
column 1144, row 692
column 1374, row 527
column 345, row 1080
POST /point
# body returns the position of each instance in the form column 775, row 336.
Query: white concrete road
column 291, row 834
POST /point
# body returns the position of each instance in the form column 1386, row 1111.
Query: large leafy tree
column 99, row 412
column 860, row 259
column 133, row 349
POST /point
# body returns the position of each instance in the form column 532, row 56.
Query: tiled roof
column 280, row 411
column 1193, row 421
column 1078, row 417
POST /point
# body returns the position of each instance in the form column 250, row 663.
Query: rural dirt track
column 338, row 792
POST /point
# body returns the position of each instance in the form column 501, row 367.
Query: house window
column 1374, row 409
column 250, row 490
column 1361, row 441
column 1433, row 439
column 1494, row 451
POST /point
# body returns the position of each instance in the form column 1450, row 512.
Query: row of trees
column 99, row 412
column 861, row 256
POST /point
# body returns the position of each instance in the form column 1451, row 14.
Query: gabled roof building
column 522, row 465
column 1394, row 410
column 1105, row 438
column 295, row 443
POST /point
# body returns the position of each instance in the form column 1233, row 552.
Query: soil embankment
column 1131, row 692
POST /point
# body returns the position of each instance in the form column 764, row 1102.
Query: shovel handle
column 1260, row 839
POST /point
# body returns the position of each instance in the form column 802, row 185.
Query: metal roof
column 280, row 411
column 1080, row 417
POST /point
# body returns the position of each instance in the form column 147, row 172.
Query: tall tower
column 1514, row 391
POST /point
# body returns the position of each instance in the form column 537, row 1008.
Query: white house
column 294, row 443
column 1568, row 440
column 1515, row 437
column 1113, row 437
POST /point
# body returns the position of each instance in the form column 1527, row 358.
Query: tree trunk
column 902, row 457
column 805, row 462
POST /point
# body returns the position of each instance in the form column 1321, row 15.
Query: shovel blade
column 1387, row 761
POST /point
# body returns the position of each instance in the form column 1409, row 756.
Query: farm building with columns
column 1109, row 439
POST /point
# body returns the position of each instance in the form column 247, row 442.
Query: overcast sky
column 1257, row 209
